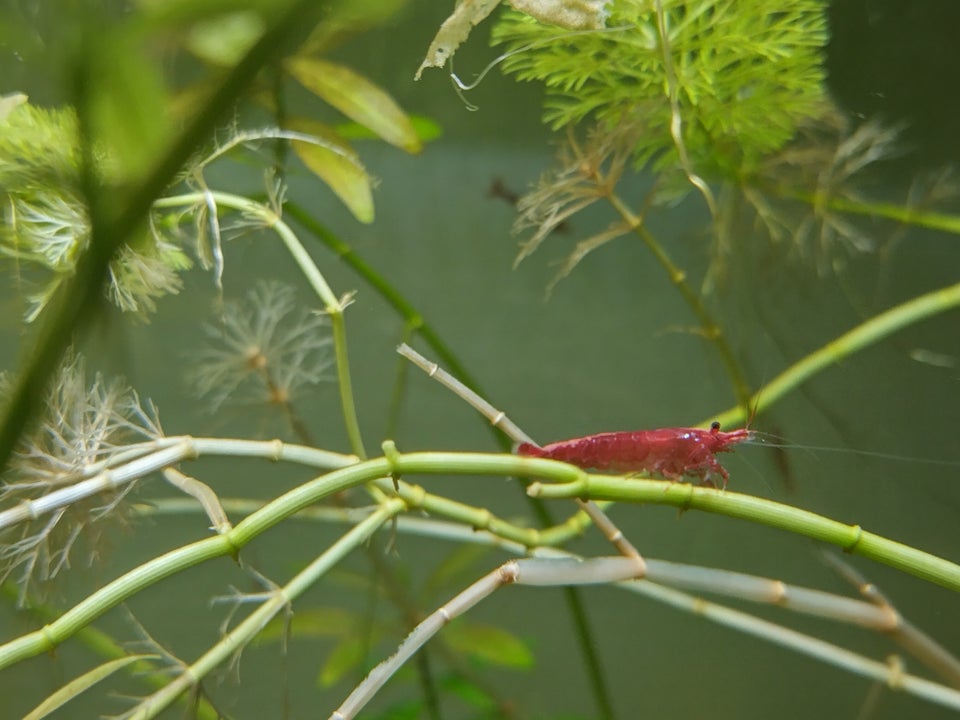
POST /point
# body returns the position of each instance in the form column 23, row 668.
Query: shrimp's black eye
column 715, row 426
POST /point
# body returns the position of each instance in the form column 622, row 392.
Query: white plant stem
column 529, row 571
column 106, row 476
column 629, row 573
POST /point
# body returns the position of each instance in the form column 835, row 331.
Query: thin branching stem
column 676, row 118
column 499, row 419
column 629, row 573
column 876, row 613
column 862, row 336
column 415, row 320
column 708, row 326
column 234, row 641
column 906, row 215
column 529, row 571
column 850, row 538
column 588, row 510
column 565, row 481
column 108, row 477
column 334, row 307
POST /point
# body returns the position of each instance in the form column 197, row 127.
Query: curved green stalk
column 862, row 336
column 413, row 318
column 279, row 601
column 569, row 482
column 333, row 306
column 710, row 329
column 417, row 323
column 898, row 213
column 849, row 538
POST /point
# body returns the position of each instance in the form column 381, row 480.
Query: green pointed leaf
column 489, row 644
column 336, row 163
column 426, row 129
column 79, row 685
column 357, row 98
column 345, row 657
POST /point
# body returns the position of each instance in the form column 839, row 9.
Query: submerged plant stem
column 862, row 336
column 708, row 326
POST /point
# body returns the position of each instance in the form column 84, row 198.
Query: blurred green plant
column 47, row 227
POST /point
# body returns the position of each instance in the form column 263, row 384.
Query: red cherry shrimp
column 670, row 452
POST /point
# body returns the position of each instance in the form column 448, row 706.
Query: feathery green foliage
column 746, row 74
column 47, row 225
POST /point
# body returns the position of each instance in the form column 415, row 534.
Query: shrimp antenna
column 460, row 87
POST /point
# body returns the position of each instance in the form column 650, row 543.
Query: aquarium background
column 610, row 348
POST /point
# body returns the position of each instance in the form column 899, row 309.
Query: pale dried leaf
column 570, row 14
column 454, row 31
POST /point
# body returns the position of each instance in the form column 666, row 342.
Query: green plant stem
column 850, row 538
column 413, row 318
column 416, row 322
column 102, row 644
column 75, row 301
column 862, row 336
column 710, row 329
column 898, row 213
column 569, row 482
column 333, row 306
column 240, row 636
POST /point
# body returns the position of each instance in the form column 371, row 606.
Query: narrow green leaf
column 80, row 684
column 357, row 98
column 426, row 129
column 345, row 657
column 489, row 644
column 336, row 163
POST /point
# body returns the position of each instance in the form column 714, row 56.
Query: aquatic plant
column 723, row 103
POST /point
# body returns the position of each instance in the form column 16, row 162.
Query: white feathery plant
column 87, row 424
